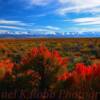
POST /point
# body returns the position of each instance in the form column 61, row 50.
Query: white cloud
column 46, row 29
column 39, row 29
column 78, row 6
column 63, row 1
column 52, row 28
column 12, row 27
column 87, row 21
column 91, row 23
column 40, row 2
column 3, row 31
column 43, row 31
column 11, row 22
column 81, row 2
column 84, row 29
column 85, row 24
column 88, row 29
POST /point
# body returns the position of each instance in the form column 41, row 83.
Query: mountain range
column 49, row 35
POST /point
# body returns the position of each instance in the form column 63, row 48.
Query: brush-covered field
column 67, row 69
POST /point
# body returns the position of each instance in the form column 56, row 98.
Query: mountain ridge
column 47, row 35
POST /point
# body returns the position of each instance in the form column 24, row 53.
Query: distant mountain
column 49, row 35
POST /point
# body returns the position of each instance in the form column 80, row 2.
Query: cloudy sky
column 49, row 15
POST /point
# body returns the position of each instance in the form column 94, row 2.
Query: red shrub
column 6, row 68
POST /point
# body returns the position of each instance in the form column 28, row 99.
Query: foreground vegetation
column 50, row 68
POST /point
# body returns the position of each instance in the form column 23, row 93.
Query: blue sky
column 49, row 15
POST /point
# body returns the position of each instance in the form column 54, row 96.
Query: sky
column 49, row 15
